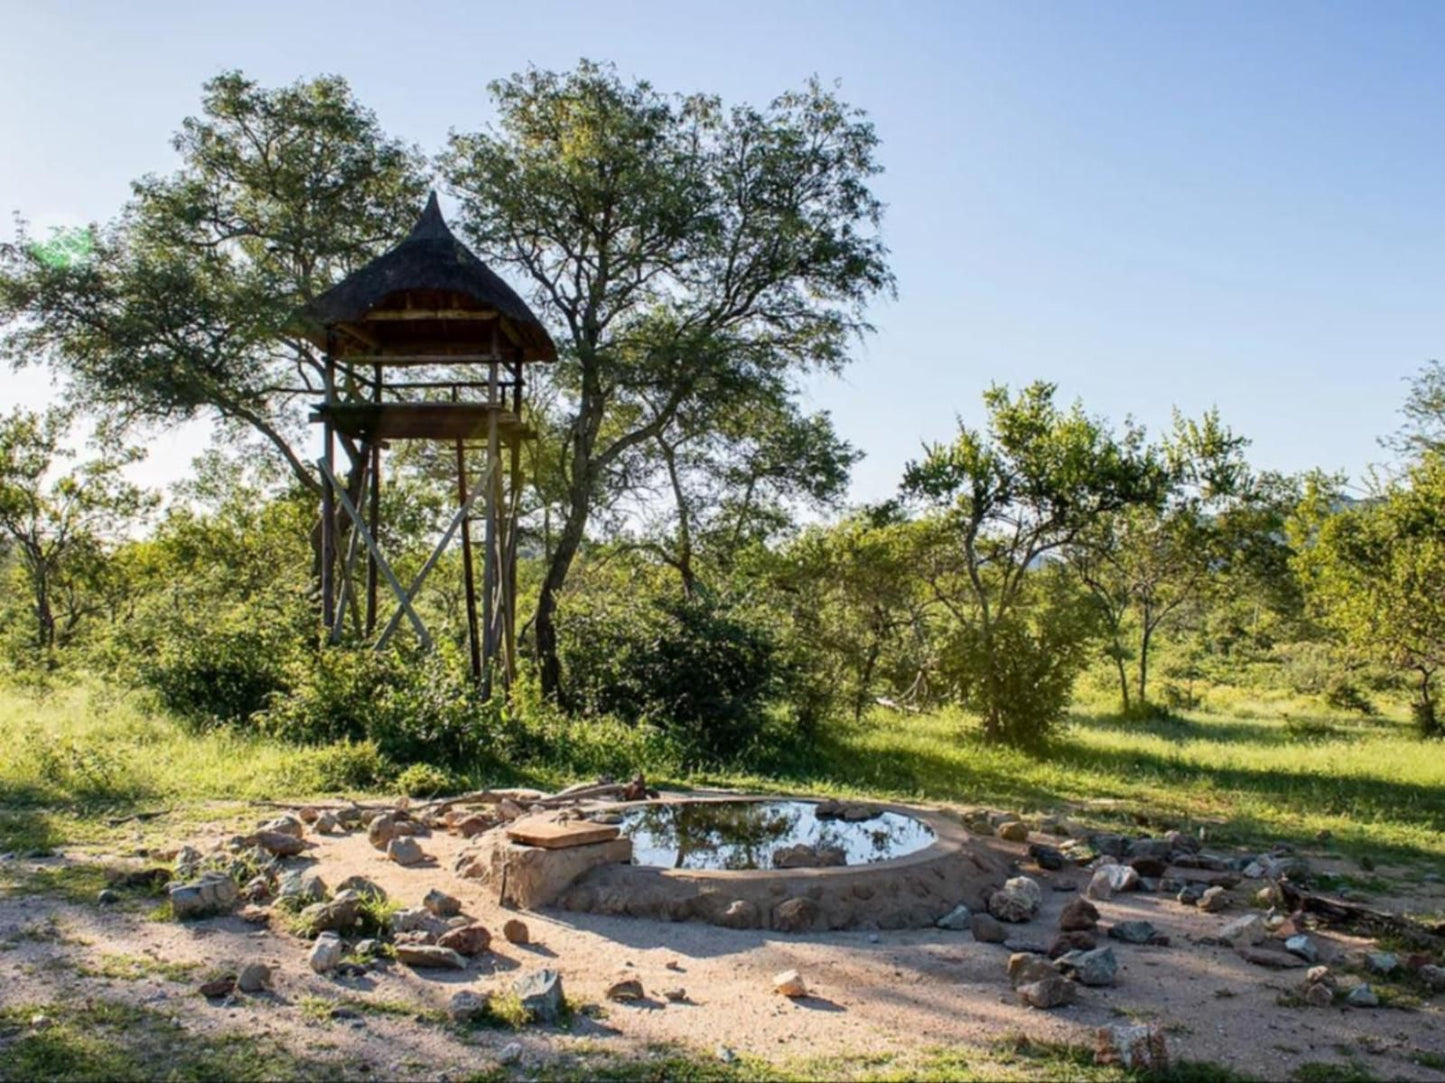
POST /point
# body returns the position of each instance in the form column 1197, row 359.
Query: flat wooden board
column 552, row 835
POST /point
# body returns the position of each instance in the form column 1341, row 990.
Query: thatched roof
column 429, row 259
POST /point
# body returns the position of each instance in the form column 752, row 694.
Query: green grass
column 136, row 967
column 96, row 1039
column 1245, row 767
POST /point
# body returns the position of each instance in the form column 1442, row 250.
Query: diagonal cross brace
column 462, row 513
column 381, row 563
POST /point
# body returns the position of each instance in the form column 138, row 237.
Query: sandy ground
column 886, row 992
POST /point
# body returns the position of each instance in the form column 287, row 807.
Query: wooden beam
column 462, row 513
column 429, row 314
column 381, row 564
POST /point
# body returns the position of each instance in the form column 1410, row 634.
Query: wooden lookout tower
column 424, row 343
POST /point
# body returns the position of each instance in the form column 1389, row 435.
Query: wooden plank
column 552, row 835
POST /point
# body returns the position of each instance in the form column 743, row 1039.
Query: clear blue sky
column 1154, row 205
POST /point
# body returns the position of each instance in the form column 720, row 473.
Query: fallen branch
column 118, row 820
column 1354, row 917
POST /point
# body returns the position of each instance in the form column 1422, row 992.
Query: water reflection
column 746, row 834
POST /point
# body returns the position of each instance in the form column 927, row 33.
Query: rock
column 466, row 1006
column 472, row 826
column 858, row 813
column 511, row 1053
column 254, row 915
column 300, row 884
column 509, row 810
column 417, row 937
column 1362, row 996
column 286, row 824
column 986, row 929
column 803, row 856
column 541, row 994
column 1433, row 976
column 626, row 989
column 1113, row 845
column 790, row 984
column 253, row 978
column 516, row 932
column 309, row 815
column 107, row 897
column 1191, row 893
column 1013, row 831
column 676, row 996
column 956, row 920
column 1214, row 900
column 441, row 904
column 1050, row 858
column 221, row 987
column 187, row 861
column 1269, row 957
column 382, row 830
column 1079, row 915
column 1158, row 849
column 1024, row 968
column 1097, row 967
column 740, row 914
column 326, row 953
column 1248, row 929
column 368, row 947
column 1051, row 992
column 411, row 920
column 795, row 915
column 1133, row 932
column 339, row 914
column 212, row 893
column 362, row 886
column 1382, row 962
column 279, row 843
column 1304, row 947
column 467, row 940
column 405, row 850
column 429, row 957
column 1319, row 995
column 1149, row 867
column 1109, row 880
column 1017, row 901
column 1077, row 940
column 1141, row 1048
column 326, row 824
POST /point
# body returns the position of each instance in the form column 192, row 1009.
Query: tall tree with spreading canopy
column 687, row 251
column 1002, row 505
column 181, row 307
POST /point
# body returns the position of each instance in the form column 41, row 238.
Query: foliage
column 1000, row 504
column 699, row 669
column 184, row 306
column 692, row 254
column 1376, row 573
column 63, row 525
column 414, row 709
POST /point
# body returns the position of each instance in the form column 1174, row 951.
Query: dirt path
column 874, row 993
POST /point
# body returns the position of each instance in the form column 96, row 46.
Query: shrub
column 415, row 710
column 699, row 669
column 426, row 780
column 334, row 768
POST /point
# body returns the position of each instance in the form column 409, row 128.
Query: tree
column 1143, row 563
column 182, row 307
column 688, row 253
column 61, row 524
column 1002, row 505
column 1375, row 573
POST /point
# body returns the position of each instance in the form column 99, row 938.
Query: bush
column 415, row 710
column 701, row 670
column 334, row 768
column 426, row 780
column 213, row 676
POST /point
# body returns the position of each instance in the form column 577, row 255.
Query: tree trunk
column 569, row 540
column 1123, row 674
column 1144, row 665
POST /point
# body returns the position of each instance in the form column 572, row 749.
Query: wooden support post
column 374, row 510
column 347, row 593
column 328, row 500
column 491, row 565
column 468, row 576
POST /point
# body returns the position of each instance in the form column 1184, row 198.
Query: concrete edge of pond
column 912, row 891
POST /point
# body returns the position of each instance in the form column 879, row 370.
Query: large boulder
column 541, row 995
column 1017, row 901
